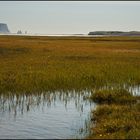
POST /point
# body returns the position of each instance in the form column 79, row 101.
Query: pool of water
column 45, row 115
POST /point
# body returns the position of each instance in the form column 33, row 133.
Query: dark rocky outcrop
column 19, row 32
column 4, row 28
column 115, row 33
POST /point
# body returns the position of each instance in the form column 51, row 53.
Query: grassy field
column 29, row 64
column 117, row 116
column 35, row 64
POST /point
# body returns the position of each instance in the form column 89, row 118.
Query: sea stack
column 4, row 28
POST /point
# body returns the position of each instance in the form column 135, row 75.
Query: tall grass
column 118, row 96
column 54, row 63
column 116, row 122
column 117, row 116
column 39, row 64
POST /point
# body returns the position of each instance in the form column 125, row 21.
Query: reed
column 55, row 63
column 116, row 116
column 30, row 64
column 116, row 122
column 118, row 96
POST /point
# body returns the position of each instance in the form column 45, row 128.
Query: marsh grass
column 6, row 51
column 118, row 96
column 55, row 63
column 117, row 116
column 116, row 122
column 39, row 64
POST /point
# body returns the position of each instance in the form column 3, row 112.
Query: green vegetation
column 117, row 120
column 30, row 64
column 120, row 96
column 35, row 64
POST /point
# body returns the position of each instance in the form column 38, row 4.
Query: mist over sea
column 68, row 35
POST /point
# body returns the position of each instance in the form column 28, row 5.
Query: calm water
column 45, row 115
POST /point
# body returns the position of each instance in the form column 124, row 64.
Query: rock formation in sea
column 4, row 28
column 19, row 32
column 115, row 33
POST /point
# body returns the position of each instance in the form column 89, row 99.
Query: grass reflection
column 24, row 102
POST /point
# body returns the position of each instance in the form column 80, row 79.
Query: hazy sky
column 54, row 17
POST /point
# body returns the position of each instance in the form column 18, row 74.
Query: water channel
column 48, row 115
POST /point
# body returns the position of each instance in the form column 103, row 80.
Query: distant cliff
column 4, row 28
column 115, row 33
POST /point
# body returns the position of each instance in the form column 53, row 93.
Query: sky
column 70, row 17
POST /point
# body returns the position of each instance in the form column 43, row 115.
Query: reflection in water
column 45, row 115
column 135, row 90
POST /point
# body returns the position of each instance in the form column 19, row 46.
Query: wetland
column 56, row 87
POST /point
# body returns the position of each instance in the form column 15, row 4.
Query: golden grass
column 117, row 116
column 50, row 63
column 116, row 122
column 35, row 64
column 118, row 96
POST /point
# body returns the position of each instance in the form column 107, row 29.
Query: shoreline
column 68, row 35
